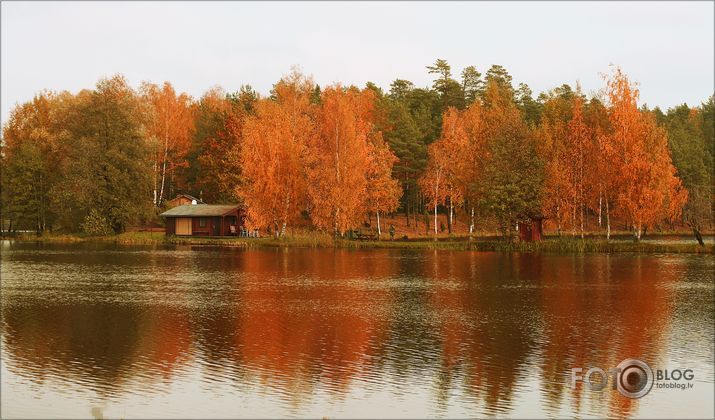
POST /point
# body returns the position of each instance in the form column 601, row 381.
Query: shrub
column 97, row 225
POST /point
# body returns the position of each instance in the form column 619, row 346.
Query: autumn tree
column 169, row 132
column 471, row 162
column 444, row 182
column 35, row 148
column 599, row 173
column 647, row 189
column 579, row 135
column 383, row 191
column 273, row 155
column 556, row 152
column 432, row 182
column 339, row 158
column 25, row 183
column 565, row 144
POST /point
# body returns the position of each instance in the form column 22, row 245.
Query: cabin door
column 183, row 226
column 216, row 226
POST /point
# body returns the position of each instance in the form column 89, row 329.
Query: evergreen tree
column 692, row 157
column 513, row 174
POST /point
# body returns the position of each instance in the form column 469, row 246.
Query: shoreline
column 551, row 244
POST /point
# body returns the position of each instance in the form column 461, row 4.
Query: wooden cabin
column 182, row 199
column 205, row 220
column 532, row 229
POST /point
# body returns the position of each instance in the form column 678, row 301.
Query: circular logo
column 635, row 379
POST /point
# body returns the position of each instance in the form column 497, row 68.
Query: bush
column 97, row 225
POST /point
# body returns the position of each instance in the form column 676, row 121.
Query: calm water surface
column 103, row 330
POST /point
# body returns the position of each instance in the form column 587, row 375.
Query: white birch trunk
column 435, row 218
column 379, row 232
column 166, row 155
column 471, row 222
column 156, row 192
column 638, row 231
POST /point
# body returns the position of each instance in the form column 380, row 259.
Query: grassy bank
column 127, row 238
column 320, row 240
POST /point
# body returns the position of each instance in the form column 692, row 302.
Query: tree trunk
column 407, row 204
column 335, row 224
column 379, row 232
column 637, row 230
column 698, row 236
column 582, row 216
column 471, row 222
column 449, row 230
column 558, row 219
column 156, row 195
column 600, row 206
column 435, row 220
column 163, row 177
column 414, row 217
column 573, row 222
column 166, row 155
column 608, row 222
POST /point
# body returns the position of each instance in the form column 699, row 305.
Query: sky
column 666, row 47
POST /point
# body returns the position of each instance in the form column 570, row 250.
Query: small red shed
column 205, row 220
column 531, row 229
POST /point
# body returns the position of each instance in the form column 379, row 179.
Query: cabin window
column 202, row 222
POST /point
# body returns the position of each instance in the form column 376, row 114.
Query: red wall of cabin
column 224, row 224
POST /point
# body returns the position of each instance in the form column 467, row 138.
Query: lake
column 102, row 330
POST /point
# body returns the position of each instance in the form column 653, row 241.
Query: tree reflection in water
column 477, row 329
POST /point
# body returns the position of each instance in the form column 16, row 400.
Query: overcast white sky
column 666, row 47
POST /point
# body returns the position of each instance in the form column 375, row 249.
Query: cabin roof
column 190, row 197
column 199, row 210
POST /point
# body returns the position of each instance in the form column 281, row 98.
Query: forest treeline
column 340, row 156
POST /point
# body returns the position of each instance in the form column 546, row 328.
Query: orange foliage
column 273, row 155
column 40, row 121
column 579, row 135
column 555, row 148
column 443, row 180
column 169, row 130
column 383, row 191
column 340, row 158
column 647, row 189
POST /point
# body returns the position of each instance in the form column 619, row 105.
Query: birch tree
column 169, row 133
